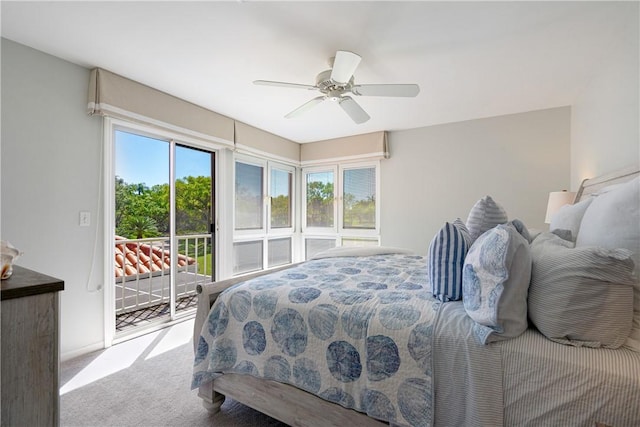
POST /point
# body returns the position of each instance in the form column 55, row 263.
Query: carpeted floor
column 144, row 382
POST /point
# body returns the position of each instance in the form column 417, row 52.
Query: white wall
column 605, row 117
column 50, row 160
column 437, row 173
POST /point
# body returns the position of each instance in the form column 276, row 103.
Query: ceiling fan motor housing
column 326, row 85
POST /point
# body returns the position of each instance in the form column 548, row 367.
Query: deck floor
column 148, row 315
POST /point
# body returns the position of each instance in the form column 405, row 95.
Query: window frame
column 359, row 232
column 263, row 226
column 266, row 232
column 338, row 232
column 281, row 231
column 319, row 230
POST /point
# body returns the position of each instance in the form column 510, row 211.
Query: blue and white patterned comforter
column 356, row 331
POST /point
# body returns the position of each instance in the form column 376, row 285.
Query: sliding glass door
column 164, row 215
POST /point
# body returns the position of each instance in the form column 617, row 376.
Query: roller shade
column 357, row 147
column 116, row 96
column 256, row 141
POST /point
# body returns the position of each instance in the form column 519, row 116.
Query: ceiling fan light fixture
column 338, row 81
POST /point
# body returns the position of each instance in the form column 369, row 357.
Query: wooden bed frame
column 287, row 403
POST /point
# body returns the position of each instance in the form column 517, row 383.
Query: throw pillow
column 580, row 296
column 447, row 251
column 569, row 217
column 495, row 280
column 485, row 215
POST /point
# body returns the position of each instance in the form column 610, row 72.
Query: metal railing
column 142, row 270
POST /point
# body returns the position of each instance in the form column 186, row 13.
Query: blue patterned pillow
column 495, row 283
column 485, row 215
column 446, row 257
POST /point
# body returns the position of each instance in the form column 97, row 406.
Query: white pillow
column 569, row 217
column 613, row 221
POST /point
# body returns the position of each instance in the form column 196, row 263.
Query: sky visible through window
column 140, row 159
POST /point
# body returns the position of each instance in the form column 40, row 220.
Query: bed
column 363, row 336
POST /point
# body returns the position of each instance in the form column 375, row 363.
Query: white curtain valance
column 368, row 146
column 252, row 140
column 116, row 96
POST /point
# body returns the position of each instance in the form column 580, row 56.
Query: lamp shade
column 558, row 199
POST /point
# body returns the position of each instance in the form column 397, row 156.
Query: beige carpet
column 144, row 382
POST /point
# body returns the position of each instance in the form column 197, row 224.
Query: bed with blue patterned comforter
column 357, row 331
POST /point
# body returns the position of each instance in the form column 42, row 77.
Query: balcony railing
column 142, row 270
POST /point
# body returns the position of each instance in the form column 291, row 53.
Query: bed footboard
column 207, row 295
column 283, row 402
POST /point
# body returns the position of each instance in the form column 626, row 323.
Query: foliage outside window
column 320, row 196
column 143, row 211
column 281, row 186
column 359, row 198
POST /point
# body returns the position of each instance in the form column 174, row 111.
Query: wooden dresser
column 30, row 349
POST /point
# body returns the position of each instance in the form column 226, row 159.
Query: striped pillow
column 485, row 215
column 580, row 296
column 446, row 258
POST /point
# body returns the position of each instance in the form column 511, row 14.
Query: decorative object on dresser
column 30, row 349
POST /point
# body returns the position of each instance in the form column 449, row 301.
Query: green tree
column 141, row 211
column 193, row 204
column 320, row 204
column 281, row 211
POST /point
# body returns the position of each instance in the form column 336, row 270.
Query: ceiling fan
column 336, row 83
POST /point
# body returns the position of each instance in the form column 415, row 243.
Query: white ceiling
column 471, row 59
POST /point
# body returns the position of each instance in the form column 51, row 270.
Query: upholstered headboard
column 592, row 185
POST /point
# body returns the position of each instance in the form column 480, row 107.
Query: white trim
column 159, row 325
column 247, row 150
column 173, row 249
column 111, row 126
column 68, row 355
column 109, row 231
column 357, row 158
column 225, row 219
column 104, row 109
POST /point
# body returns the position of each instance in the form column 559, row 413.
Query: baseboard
column 81, row 351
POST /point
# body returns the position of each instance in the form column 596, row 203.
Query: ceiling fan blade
column 344, row 65
column 283, row 84
column 353, row 109
column 305, row 107
column 407, row 90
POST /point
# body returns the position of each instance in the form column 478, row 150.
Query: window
column 279, row 252
column 264, row 214
column 359, row 198
column 249, row 196
column 281, row 209
column 320, row 196
column 351, row 222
